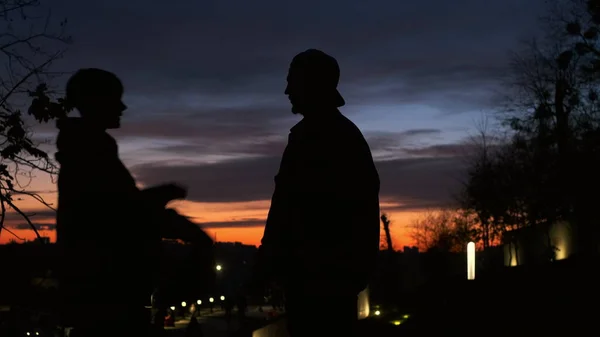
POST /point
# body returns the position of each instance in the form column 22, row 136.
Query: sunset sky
column 204, row 84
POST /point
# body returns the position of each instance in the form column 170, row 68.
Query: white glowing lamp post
column 471, row 261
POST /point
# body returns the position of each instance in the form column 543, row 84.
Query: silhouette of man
column 107, row 229
column 321, row 238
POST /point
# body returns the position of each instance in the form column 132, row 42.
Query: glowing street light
column 173, row 308
column 377, row 312
column 183, row 304
column 470, row 261
column 219, row 267
column 211, row 300
column 199, row 302
column 222, row 298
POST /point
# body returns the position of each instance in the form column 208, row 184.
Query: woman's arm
column 161, row 195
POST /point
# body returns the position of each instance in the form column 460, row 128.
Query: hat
column 321, row 69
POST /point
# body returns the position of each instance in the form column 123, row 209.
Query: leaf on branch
column 35, row 152
column 16, row 132
column 43, row 109
column 3, row 170
column 10, row 151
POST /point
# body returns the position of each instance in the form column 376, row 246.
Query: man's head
column 312, row 82
column 97, row 94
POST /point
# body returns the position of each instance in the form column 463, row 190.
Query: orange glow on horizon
column 224, row 215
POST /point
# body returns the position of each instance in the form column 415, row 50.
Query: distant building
column 535, row 244
column 411, row 250
column 43, row 240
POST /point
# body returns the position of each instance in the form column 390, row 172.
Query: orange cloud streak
column 201, row 213
column 223, row 212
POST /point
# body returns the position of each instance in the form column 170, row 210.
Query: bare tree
column 481, row 198
column 582, row 24
column 547, row 169
column 29, row 43
column 444, row 230
column 385, row 220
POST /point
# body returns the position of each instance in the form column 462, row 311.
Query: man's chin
column 114, row 125
column 296, row 110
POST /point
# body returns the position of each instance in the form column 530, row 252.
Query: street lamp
column 222, row 298
column 211, row 300
column 173, row 308
column 199, row 302
column 183, row 304
column 219, row 267
column 471, row 261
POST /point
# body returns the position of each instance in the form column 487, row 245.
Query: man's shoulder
column 343, row 131
column 333, row 124
column 338, row 131
column 298, row 127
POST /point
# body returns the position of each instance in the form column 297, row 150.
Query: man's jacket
column 322, row 232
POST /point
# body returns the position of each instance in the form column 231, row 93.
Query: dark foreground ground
column 558, row 299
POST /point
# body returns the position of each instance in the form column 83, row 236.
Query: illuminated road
column 215, row 325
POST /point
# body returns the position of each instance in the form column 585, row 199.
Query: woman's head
column 97, row 94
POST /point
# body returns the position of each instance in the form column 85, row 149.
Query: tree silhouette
column 29, row 44
column 386, row 229
column 480, row 187
column 547, row 169
column 556, row 107
column 444, row 230
column 583, row 25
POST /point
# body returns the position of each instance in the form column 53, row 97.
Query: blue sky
column 204, row 83
column 204, row 80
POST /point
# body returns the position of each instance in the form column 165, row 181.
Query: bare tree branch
column 12, row 233
column 29, row 43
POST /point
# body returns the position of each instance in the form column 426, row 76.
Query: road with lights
column 214, row 324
